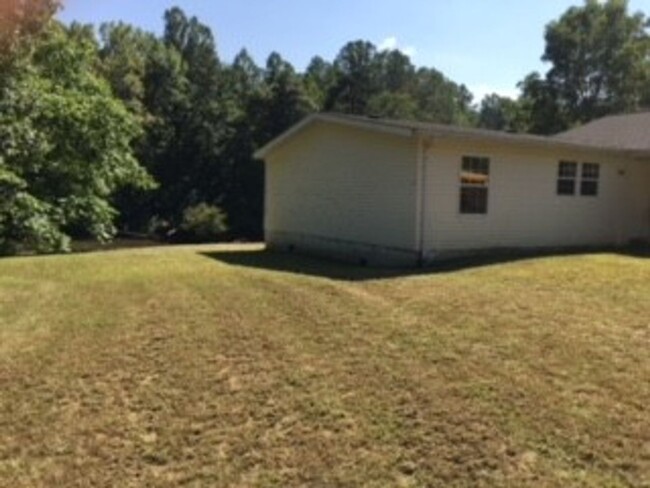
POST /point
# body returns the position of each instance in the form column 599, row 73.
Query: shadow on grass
column 324, row 268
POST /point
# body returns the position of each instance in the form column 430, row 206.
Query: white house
column 396, row 192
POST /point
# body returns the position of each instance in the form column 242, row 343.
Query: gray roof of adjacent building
column 629, row 132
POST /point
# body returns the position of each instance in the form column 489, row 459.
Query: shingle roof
column 412, row 128
column 564, row 140
column 626, row 132
column 435, row 128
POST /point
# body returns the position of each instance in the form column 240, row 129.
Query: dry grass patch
column 193, row 367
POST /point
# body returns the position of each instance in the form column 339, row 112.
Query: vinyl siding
column 523, row 207
column 343, row 184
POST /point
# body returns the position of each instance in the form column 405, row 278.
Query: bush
column 203, row 223
column 158, row 228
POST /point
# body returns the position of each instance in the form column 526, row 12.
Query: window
column 590, row 176
column 568, row 178
column 474, row 180
column 567, row 175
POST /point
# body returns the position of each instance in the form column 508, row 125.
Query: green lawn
column 216, row 366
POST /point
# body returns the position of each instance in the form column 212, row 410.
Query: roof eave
column 320, row 117
column 521, row 140
column 541, row 142
column 264, row 150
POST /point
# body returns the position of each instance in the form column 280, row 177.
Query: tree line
column 114, row 128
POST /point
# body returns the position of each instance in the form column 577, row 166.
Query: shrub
column 158, row 228
column 203, row 223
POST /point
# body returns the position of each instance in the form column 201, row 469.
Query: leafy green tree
column 150, row 78
column 441, row 100
column 195, row 42
column 124, row 52
column 599, row 55
column 245, row 95
column 65, row 145
column 356, row 78
column 181, row 93
column 243, row 81
column 196, row 163
column 285, row 100
column 541, row 111
column 393, row 105
column 502, row 113
column 465, row 113
column 319, row 80
column 178, row 79
column 27, row 223
column 395, row 72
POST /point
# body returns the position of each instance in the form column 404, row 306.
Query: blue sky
column 488, row 45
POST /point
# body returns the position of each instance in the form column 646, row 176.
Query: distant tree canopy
column 502, row 113
column 202, row 119
column 121, row 129
column 600, row 64
column 364, row 81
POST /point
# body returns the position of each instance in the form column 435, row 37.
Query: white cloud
column 410, row 51
column 391, row 43
column 483, row 89
column 388, row 44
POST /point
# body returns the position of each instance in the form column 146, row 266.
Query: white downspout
column 421, row 198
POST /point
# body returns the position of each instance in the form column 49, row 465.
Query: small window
column 567, row 175
column 474, row 181
column 590, row 177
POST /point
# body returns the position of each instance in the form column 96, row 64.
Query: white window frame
column 564, row 178
column 592, row 177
